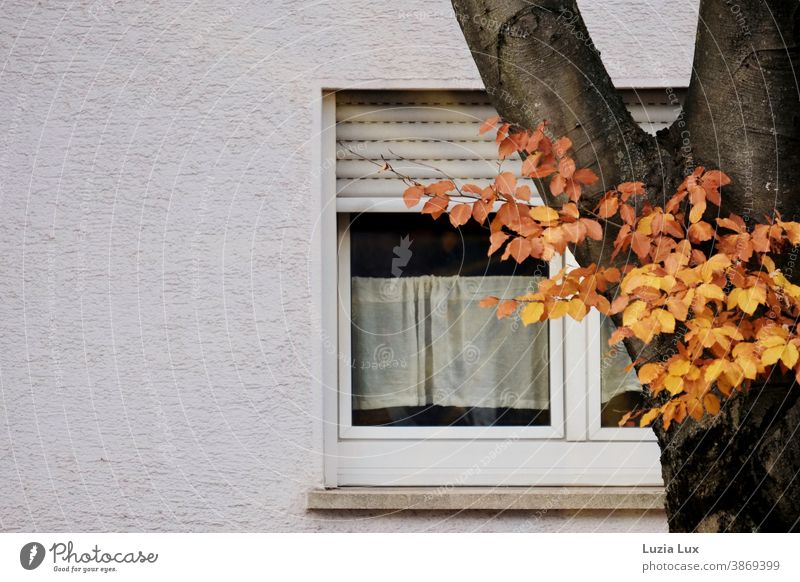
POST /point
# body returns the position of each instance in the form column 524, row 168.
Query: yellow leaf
column 771, row 355
column 543, row 214
column 711, row 291
column 666, row 320
column 674, row 384
column 679, row 367
column 645, row 330
column 649, row 416
column 532, row 312
column 633, row 313
column 749, row 367
column 714, row 370
column 577, row 309
column 559, row 309
column 748, row 299
column 716, row 263
column 711, row 403
column 733, row 373
column 632, row 282
column 696, row 213
column 649, row 372
column 789, row 356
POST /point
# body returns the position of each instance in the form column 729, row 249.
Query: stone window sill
column 492, row 498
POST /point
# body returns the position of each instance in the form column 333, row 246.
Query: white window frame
column 574, row 450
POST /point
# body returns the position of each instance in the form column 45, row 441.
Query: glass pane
column 621, row 391
column 423, row 352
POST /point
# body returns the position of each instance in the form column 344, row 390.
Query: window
column 424, row 387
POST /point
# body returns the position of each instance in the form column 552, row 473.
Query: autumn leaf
column 480, row 211
column 649, row 372
column 593, row 229
column 544, row 214
column 700, row 232
column 628, row 189
column 489, row 301
column 506, row 308
column 577, row 309
column 585, row 176
column 519, row 248
column 649, row 417
column 489, row 124
column 497, row 239
column 460, row 214
column 435, row 206
column 532, row 312
column 413, row 195
column 506, row 183
column 557, row 185
column 566, row 167
column 711, row 402
column 633, row 313
column 608, row 206
column 440, row 188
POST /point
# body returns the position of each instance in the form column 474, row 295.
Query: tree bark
column 737, row 471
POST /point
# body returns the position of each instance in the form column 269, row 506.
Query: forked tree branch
column 538, row 63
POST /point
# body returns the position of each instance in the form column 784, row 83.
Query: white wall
column 156, row 210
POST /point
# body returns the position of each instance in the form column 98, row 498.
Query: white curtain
column 613, row 361
column 420, row 341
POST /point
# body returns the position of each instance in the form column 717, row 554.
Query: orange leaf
column 480, row 211
column 519, row 248
column 700, row 232
column 439, row 188
column 413, row 195
column 507, row 147
column 460, row 214
column 585, row 176
column 497, row 239
column 506, row 183
column 711, row 403
column 640, row 244
column 566, row 167
column 608, row 206
column 593, row 229
column 557, row 185
column 733, row 222
column 561, row 146
column 435, row 206
column 489, row 124
column 570, row 210
column 489, row 301
column 573, row 190
column 628, row 189
column 627, row 213
column 524, row 193
column 540, row 172
column 506, row 308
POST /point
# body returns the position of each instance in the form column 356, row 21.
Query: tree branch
column 538, row 63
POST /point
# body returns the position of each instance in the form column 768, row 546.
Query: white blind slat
column 440, row 128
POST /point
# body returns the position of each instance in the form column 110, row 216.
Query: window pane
column 621, row 391
column 423, row 352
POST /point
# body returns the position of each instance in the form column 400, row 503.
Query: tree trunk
column 737, row 471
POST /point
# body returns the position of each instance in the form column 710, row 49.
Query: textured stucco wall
column 157, row 345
